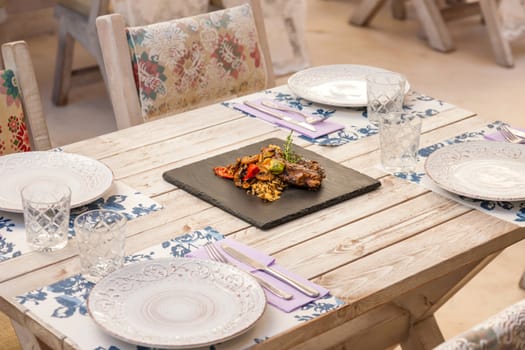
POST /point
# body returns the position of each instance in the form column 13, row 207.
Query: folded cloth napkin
column 298, row 300
column 322, row 128
column 496, row 136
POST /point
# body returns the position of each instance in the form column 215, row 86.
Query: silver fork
column 509, row 136
column 215, row 254
column 517, row 132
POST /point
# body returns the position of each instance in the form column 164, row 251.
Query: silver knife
column 275, row 273
column 280, row 115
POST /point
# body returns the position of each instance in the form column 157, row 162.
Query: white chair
column 17, row 59
column 153, row 74
column 434, row 15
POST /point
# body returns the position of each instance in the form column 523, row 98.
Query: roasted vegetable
column 276, row 166
column 251, row 171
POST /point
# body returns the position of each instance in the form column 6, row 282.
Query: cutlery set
column 277, row 114
column 216, row 255
column 310, row 119
column 310, row 124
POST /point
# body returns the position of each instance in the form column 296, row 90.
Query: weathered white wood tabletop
column 393, row 255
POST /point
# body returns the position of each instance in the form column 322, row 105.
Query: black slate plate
column 341, row 183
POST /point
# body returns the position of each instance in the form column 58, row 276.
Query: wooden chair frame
column 119, row 72
column 16, row 57
column 75, row 26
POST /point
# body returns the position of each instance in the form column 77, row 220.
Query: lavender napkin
column 298, row 300
column 496, row 136
column 322, row 128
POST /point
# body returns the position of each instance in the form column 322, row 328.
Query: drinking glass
column 399, row 134
column 385, row 93
column 100, row 236
column 46, row 215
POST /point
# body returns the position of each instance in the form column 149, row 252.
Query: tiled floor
column 468, row 77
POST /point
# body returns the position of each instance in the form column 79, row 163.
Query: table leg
column 423, row 335
column 434, row 25
column 365, row 12
column 422, row 303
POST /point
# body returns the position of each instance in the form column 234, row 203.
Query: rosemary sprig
column 289, row 154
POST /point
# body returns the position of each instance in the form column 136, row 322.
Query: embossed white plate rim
column 481, row 151
column 303, row 83
column 16, row 171
column 123, row 327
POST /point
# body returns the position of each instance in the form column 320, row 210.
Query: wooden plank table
column 394, row 255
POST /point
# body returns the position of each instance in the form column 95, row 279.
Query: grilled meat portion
column 304, row 173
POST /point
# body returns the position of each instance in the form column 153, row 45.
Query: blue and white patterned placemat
column 355, row 120
column 509, row 211
column 62, row 305
column 119, row 197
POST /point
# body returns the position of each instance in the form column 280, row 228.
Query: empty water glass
column 100, row 236
column 399, row 134
column 46, row 215
column 385, row 94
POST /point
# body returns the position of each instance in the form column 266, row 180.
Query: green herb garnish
column 289, row 154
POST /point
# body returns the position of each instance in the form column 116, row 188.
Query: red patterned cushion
column 14, row 136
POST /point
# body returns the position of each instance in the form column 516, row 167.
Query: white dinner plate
column 87, row 178
column 176, row 303
column 342, row 85
column 485, row 170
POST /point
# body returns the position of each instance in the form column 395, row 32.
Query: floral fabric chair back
column 195, row 61
column 14, row 136
column 503, row 331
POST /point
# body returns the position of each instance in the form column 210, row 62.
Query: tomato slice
column 224, row 172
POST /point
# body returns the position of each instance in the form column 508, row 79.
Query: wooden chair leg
column 399, row 10
column 500, row 45
column 63, row 67
column 365, row 12
column 434, row 25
